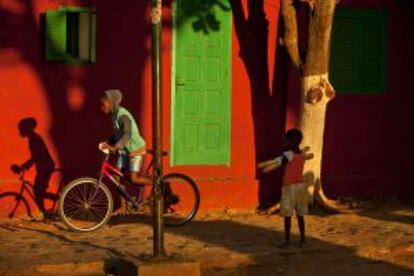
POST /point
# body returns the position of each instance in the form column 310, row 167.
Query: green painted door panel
column 201, row 91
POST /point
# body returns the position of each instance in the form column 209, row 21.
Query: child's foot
column 283, row 245
column 49, row 216
column 302, row 244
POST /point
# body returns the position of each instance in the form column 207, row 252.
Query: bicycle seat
column 151, row 151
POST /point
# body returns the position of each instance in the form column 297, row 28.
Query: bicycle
column 14, row 204
column 86, row 203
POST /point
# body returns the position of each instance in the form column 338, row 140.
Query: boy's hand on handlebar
column 105, row 146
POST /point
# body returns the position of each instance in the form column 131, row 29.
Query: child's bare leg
column 301, row 223
column 287, row 232
column 117, row 177
column 136, row 178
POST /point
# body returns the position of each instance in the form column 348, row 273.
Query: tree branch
column 311, row 3
column 290, row 39
column 320, row 26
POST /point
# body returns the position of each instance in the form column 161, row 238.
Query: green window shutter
column 56, row 36
column 343, row 54
column 358, row 52
column 71, row 35
column 372, row 53
column 93, row 37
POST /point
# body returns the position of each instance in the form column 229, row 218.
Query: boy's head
column 110, row 100
column 293, row 138
column 27, row 126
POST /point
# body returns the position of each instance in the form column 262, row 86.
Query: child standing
column 294, row 193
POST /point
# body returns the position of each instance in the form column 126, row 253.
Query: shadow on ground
column 260, row 245
column 227, row 244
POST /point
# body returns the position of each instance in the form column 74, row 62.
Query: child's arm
column 306, row 151
column 125, row 122
column 114, row 145
column 275, row 163
column 272, row 163
column 27, row 165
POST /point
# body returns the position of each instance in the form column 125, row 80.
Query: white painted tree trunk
column 312, row 125
column 316, row 88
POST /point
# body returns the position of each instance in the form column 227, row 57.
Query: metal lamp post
column 158, row 204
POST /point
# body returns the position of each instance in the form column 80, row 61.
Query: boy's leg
column 39, row 189
column 138, row 179
column 286, row 210
column 135, row 164
column 287, row 224
column 121, row 164
column 39, row 194
column 301, row 223
column 301, row 207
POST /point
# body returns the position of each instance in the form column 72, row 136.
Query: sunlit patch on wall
column 75, row 92
column 15, row 7
column 9, row 56
column 75, row 97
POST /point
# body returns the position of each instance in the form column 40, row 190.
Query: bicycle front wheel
column 181, row 199
column 85, row 205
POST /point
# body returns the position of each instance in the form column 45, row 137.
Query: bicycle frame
column 106, row 171
column 22, row 189
column 29, row 187
column 25, row 188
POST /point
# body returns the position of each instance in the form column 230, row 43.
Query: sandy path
column 229, row 242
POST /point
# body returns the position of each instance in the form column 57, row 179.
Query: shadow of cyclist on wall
column 41, row 158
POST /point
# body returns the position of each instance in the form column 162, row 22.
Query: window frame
column 65, row 57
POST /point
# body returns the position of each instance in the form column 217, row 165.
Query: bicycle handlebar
column 150, row 151
column 16, row 169
column 106, row 151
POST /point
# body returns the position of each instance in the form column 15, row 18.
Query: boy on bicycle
column 126, row 139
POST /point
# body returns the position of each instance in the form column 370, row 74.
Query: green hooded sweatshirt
column 127, row 136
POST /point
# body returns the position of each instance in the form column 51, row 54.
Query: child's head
column 106, row 105
column 110, row 100
column 293, row 138
column 27, row 126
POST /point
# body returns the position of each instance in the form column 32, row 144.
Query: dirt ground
column 375, row 238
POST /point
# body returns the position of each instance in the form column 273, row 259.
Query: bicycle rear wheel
column 181, row 199
column 85, row 205
column 14, row 205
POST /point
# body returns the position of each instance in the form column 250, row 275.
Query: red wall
column 367, row 149
column 368, row 139
column 65, row 99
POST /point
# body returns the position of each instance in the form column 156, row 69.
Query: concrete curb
column 161, row 267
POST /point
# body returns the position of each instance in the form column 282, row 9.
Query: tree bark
column 290, row 39
column 316, row 90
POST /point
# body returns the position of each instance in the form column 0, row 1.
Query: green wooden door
column 201, row 90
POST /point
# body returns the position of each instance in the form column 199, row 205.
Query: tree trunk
column 316, row 89
column 312, row 125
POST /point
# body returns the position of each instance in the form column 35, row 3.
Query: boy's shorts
column 294, row 198
column 132, row 164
